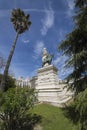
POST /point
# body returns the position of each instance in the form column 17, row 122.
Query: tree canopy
column 75, row 48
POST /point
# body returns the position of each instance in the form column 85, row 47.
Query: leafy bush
column 14, row 109
column 10, row 82
column 77, row 111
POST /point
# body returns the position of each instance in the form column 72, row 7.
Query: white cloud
column 25, row 40
column 59, row 59
column 48, row 20
column 71, row 5
column 63, row 73
column 61, row 34
column 59, row 62
column 38, row 49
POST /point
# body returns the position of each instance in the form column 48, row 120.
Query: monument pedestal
column 48, row 86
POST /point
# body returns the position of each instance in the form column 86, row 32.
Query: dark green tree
column 21, row 23
column 75, row 48
column 80, row 3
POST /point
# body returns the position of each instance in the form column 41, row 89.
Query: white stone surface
column 49, row 88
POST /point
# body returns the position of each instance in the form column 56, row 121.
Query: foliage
column 10, row 82
column 20, row 20
column 80, row 3
column 14, row 109
column 77, row 111
column 81, row 109
column 75, row 47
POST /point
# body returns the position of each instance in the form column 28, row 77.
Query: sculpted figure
column 46, row 58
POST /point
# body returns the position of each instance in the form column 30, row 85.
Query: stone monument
column 50, row 90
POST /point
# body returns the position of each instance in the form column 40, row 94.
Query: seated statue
column 46, row 58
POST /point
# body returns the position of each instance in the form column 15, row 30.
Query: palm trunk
column 3, row 82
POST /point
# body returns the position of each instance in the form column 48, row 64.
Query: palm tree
column 21, row 23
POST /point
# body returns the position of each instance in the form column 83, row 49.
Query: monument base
column 49, row 88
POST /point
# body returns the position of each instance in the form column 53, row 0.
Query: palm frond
column 20, row 21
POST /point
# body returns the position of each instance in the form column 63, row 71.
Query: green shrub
column 10, row 82
column 14, row 109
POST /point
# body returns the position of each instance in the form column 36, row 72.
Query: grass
column 53, row 118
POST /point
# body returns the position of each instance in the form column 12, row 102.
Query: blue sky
column 51, row 22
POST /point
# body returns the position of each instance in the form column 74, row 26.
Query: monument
column 50, row 89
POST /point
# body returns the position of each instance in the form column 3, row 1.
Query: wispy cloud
column 59, row 61
column 71, row 5
column 61, row 34
column 7, row 12
column 25, row 40
column 48, row 20
column 63, row 72
column 38, row 49
column 37, row 10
